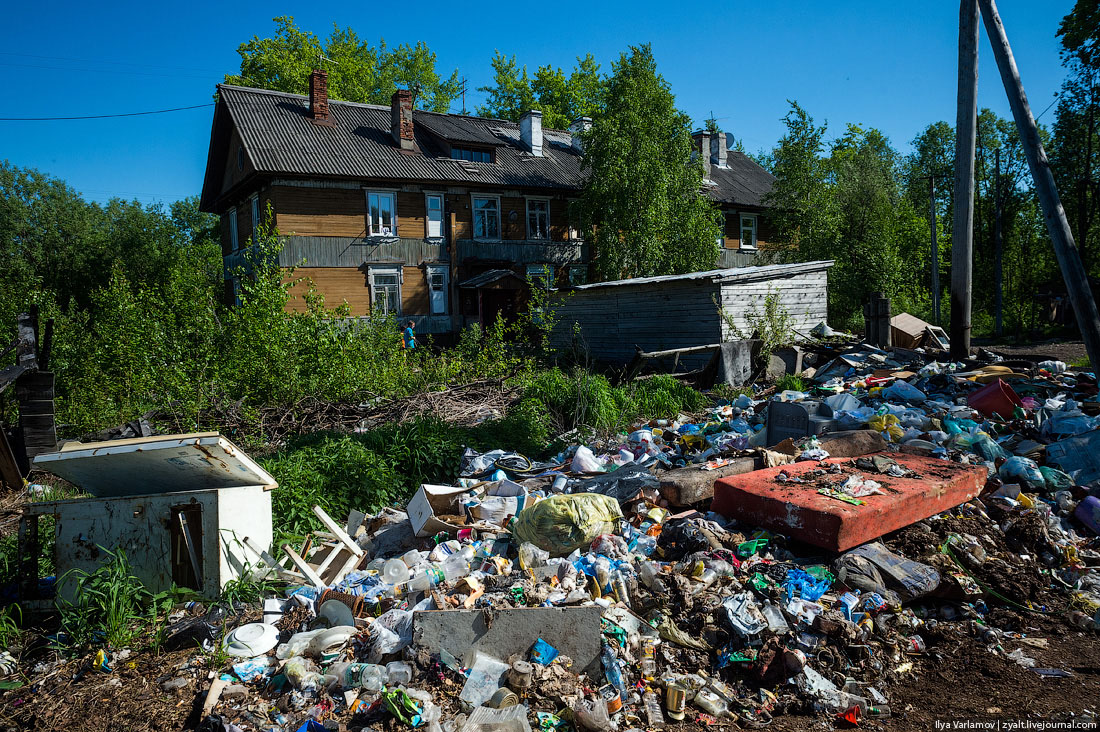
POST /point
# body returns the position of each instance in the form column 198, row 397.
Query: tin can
column 466, row 534
column 613, row 698
column 675, row 701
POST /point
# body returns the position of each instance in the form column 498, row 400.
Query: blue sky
column 886, row 65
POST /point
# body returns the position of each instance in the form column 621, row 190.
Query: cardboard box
column 433, row 500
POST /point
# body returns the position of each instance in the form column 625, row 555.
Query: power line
column 102, row 116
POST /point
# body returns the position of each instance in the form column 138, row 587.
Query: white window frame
column 428, row 196
column 527, row 219
column 751, row 219
column 473, row 218
column 541, row 270
column 583, row 269
column 233, row 237
column 395, row 270
column 392, row 194
column 255, row 201
column 438, row 269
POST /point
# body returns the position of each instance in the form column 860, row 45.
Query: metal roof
column 279, row 139
column 487, row 278
column 733, row 274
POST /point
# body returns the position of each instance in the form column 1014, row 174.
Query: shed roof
column 488, row 278
column 731, row 274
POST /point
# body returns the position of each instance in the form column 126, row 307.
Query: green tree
column 561, row 98
column 643, row 197
column 358, row 71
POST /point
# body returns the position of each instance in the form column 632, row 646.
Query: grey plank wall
column 654, row 317
column 804, row 296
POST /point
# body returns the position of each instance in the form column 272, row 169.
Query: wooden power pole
column 962, row 235
column 935, row 250
column 1069, row 259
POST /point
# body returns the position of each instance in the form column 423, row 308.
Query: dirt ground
column 1068, row 351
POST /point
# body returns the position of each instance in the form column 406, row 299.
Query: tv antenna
column 462, row 89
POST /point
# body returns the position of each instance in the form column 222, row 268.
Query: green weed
column 109, row 602
column 790, row 382
column 10, row 618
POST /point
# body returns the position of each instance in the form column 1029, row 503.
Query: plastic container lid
column 253, row 639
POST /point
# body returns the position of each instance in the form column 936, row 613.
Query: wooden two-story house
column 441, row 218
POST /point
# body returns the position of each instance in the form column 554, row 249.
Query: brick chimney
column 718, row 150
column 579, row 125
column 530, row 131
column 401, row 119
column 318, row 98
column 701, row 144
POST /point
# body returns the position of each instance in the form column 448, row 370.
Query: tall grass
column 108, row 603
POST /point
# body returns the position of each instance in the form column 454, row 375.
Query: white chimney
column 718, row 150
column 579, row 125
column 530, row 131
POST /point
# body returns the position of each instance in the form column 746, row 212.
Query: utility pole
column 962, row 235
column 1069, row 259
column 935, row 250
column 998, row 247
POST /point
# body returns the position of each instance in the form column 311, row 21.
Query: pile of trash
column 598, row 591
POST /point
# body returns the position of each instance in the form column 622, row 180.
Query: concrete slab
column 799, row 511
column 687, row 486
column 574, row 631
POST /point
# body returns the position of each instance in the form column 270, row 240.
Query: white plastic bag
column 584, row 461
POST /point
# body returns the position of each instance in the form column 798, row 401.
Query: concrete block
column 799, row 511
column 786, row 360
column 687, row 486
column 735, row 362
column 852, row 443
column 574, row 631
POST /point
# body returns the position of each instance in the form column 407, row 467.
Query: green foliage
column 587, row 399
column 358, row 72
column 1080, row 34
column 773, row 325
column 109, row 603
column 790, row 382
column 10, row 618
column 561, row 99
column 642, row 197
column 728, row 393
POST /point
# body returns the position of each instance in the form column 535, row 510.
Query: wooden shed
column 615, row 319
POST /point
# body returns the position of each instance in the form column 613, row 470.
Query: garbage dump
column 573, row 593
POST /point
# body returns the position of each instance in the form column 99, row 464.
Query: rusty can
column 675, row 701
column 613, row 698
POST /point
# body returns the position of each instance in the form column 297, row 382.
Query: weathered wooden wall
column 337, row 284
column 654, row 317
column 804, row 296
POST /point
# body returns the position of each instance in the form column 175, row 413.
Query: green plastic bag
column 560, row 524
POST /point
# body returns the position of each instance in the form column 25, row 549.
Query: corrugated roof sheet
column 733, row 274
column 280, row 139
column 487, row 278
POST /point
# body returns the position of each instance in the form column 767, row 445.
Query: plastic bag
column 1055, row 479
column 560, row 524
column 592, row 715
column 887, row 424
column 1019, row 469
column 507, row 719
column 484, row 679
column 584, row 461
column 913, row 578
column 389, row 634
column 903, row 391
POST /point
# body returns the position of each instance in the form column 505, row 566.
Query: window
column 233, row 229
column 578, row 274
column 382, row 209
column 748, row 232
column 255, row 216
column 437, row 290
column 385, row 285
column 574, row 223
column 538, row 218
column 476, row 156
column 434, row 206
column 541, row 275
column 486, row 217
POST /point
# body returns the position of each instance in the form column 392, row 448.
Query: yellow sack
column 887, row 424
column 560, row 524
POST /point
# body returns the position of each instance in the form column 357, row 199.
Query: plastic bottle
column 394, row 572
column 611, row 669
column 618, row 584
column 649, row 658
column 879, row 711
column 654, row 717
column 369, row 676
column 424, row 578
column 398, row 672
column 455, row 567
column 650, row 577
column 711, row 703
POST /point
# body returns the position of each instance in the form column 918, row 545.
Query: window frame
column 583, row 269
column 527, row 218
column 752, row 219
column 457, row 153
column 473, row 217
column 392, row 194
column 575, row 234
column 438, row 269
column 545, row 272
column 234, row 234
column 392, row 270
column 428, row 195
column 254, row 200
